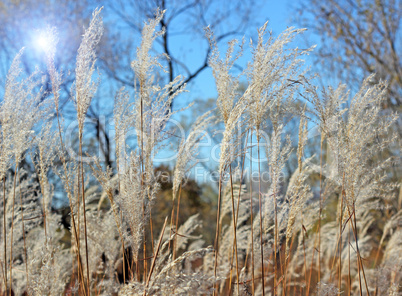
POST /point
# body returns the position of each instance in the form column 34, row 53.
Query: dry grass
column 321, row 231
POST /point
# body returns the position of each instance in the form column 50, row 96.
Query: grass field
column 329, row 227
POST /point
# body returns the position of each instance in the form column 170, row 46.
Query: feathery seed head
column 84, row 86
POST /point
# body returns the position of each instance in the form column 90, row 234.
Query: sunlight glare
column 43, row 42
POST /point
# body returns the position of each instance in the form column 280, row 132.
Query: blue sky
column 276, row 12
column 188, row 49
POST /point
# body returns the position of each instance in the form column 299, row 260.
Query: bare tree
column 20, row 20
column 358, row 37
column 182, row 19
column 186, row 19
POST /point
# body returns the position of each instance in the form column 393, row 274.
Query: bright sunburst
column 43, row 42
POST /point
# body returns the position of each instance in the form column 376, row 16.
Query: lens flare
column 43, row 43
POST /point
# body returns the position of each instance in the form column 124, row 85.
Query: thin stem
column 216, row 244
column 319, row 217
column 152, row 230
column 23, row 235
column 261, row 236
column 155, row 255
column 63, row 160
column 359, row 259
column 171, row 242
column 84, row 211
column 2, row 272
column 177, row 223
column 340, row 236
column 357, row 250
column 111, row 200
column 234, row 228
column 12, row 227
column 5, row 233
column 142, row 82
column 275, row 241
column 358, row 253
column 304, row 257
column 311, row 268
column 287, row 287
column 251, row 215
column 349, row 276
column 144, row 244
column 243, row 157
column 42, row 185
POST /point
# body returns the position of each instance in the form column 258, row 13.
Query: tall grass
column 317, row 230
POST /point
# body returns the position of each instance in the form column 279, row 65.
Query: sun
column 43, row 43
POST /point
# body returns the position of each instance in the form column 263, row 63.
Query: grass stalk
column 320, row 213
column 357, row 250
column 349, row 276
column 177, row 223
column 238, row 205
column 155, row 256
column 12, row 227
column 261, row 233
column 311, row 268
column 304, row 256
column 358, row 253
column 234, row 228
column 251, row 215
column 142, row 94
column 216, row 243
column 23, row 235
column 151, row 229
column 84, row 211
column 286, row 288
column 67, row 184
column 171, row 241
column 5, row 234
column 275, row 242
column 340, row 235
